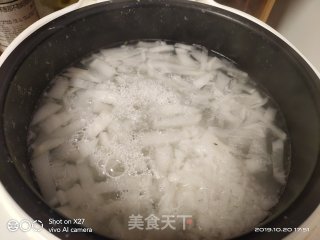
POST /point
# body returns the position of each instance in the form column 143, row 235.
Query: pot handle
column 83, row 3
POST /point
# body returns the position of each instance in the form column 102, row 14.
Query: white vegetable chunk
column 47, row 145
column 85, row 176
column 119, row 54
column 102, row 68
column 104, row 187
column 113, row 208
column 62, row 198
column 87, row 147
column 45, row 111
column 278, row 132
column 68, row 211
column 71, row 153
column 83, row 84
column 184, row 46
column 69, row 129
column 177, row 121
column 185, row 58
column 278, row 161
column 98, row 125
column 42, row 171
column 83, row 74
column 162, row 48
column 65, row 152
column 163, row 158
column 55, row 121
column 65, row 176
column 222, row 81
column 104, row 139
column 175, row 109
column 59, row 88
column 234, row 72
column 203, row 80
column 158, row 138
column 256, row 165
column 98, row 107
column 270, row 114
column 75, row 196
column 214, row 64
column 102, row 95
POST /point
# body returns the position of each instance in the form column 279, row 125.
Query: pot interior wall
column 266, row 58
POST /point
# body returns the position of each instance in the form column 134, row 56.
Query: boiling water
column 158, row 141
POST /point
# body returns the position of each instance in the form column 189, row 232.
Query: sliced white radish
column 278, row 161
column 82, row 74
column 80, row 83
column 69, row 129
column 45, row 111
column 68, row 211
column 256, row 165
column 102, row 68
column 72, row 152
column 175, row 109
column 104, row 139
column 65, row 176
column 162, row 48
column 184, row 46
column 86, row 148
column 214, row 64
column 98, row 124
column 62, row 198
column 201, row 56
column 75, row 196
column 47, row 145
column 55, row 121
column 42, row 171
column 222, row 81
column 185, row 58
column 98, row 107
column 163, row 158
column 177, row 121
column 85, row 176
column 59, row 88
column 203, row 80
column 104, row 187
column 161, row 137
column 102, row 95
column 270, row 114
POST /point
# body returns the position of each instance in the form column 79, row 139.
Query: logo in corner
column 24, row 225
column 13, row 225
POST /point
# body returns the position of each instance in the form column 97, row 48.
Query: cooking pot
column 57, row 41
